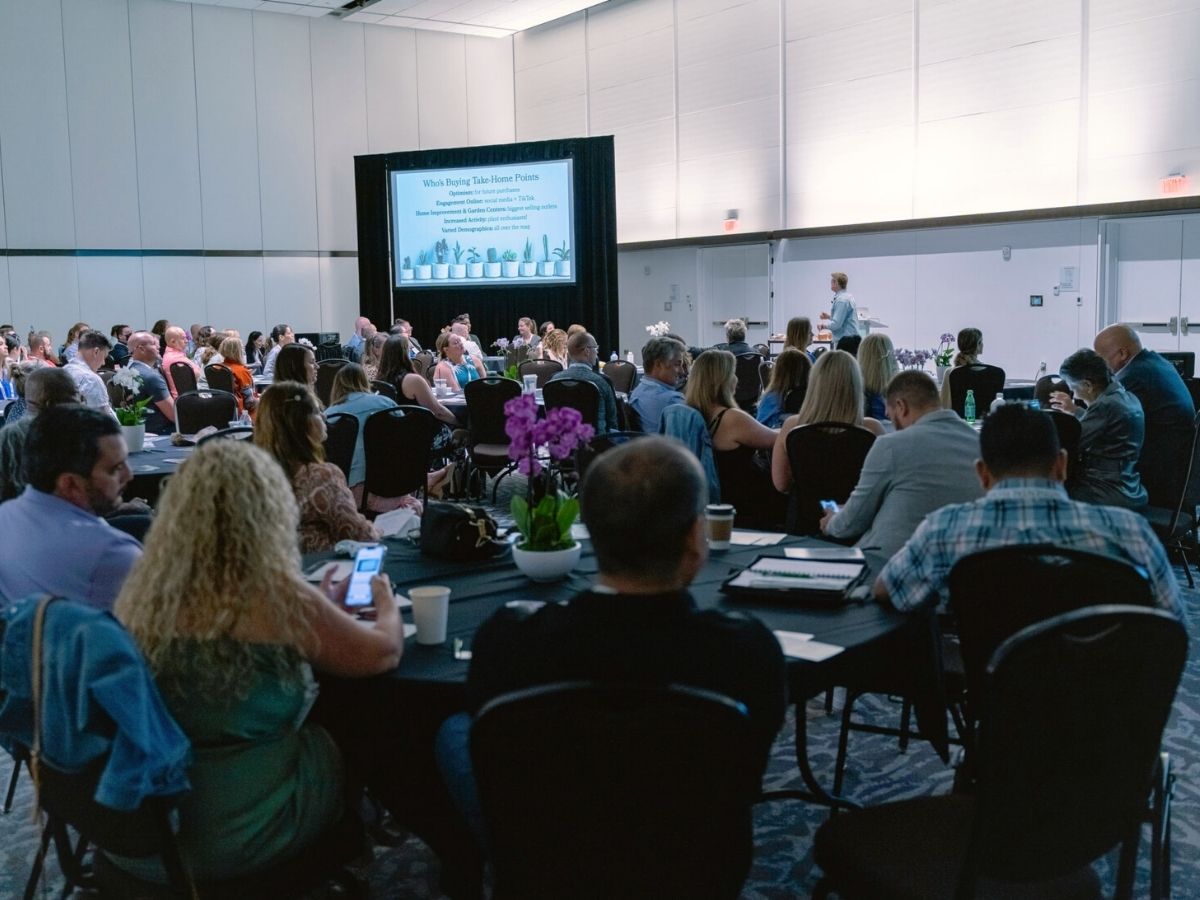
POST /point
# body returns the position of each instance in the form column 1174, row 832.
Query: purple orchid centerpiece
column 944, row 352
column 546, row 524
column 913, row 359
column 500, row 344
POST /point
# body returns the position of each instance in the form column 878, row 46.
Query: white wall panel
column 618, row 23
column 565, row 118
column 5, row 299
column 641, row 145
column 45, row 294
column 1144, row 120
column 881, row 101
column 110, row 292
column 234, row 290
column 293, row 293
column 164, row 96
column 808, row 18
column 1147, row 52
column 442, row 104
column 873, row 47
column 286, row 164
column 36, row 152
column 392, row 84
column 174, row 289
column 563, row 39
column 340, row 117
column 228, row 128
column 966, row 27
column 491, row 105
column 750, row 76
column 838, row 179
column 747, row 181
column 746, row 126
column 719, row 37
column 100, row 112
column 640, row 57
column 624, row 106
column 1110, row 179
column 1103, row 13
column 339, row 293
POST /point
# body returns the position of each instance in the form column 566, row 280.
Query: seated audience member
column 799, row 335
column 527, row 333
column 42, row 348
column 256, row 350
column 1166, row 405
column 455, row 365
column 404, row 328
column 877, row 362
column 119, row 354
column 351, row 394
column 470, row 345
column 553, row 346
column 13, row 348
column 582, row 351
column 44, row 388
column 735, row 338
column 662, row 367
column 927, row 463
column 638, row 625
column 790, row 373
column 143, row 359
column 546, row 328
column 19, row 373
column 176, row 353
column 573, row 329
column 281, row 336
column 199, row 342
column 1113, row 431
column 243, row 382
column 736, row 437
column 354, row 346
column 372, row 351
column 835, row 394
column 231, row 632
column 71, row 347
column 91, row 349
column 290, row 427
column 970, row 346
column 397, row 369
column 55, row 540
column 159, row 330
column 295, row 362
column 210, row 353
column 850, row 344
column 464, row 319
column 1021, row 470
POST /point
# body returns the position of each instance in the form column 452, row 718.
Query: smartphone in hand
column 829, row 506
column 368, row 561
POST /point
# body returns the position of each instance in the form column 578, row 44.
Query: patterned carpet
column 783, row 866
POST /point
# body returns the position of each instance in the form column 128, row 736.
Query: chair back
column 762, row 349
column 577, row 394
column 544, row 369
column 116, row 393
column 1193, row 387
column 421, row 365
column 200, row 409
column 986, row 381
column 397, row 443
column 1047, row 385
column 485, row 407
column 1070, row 431
column 183, row 376
column 341, row 438
column 219, row 378
column 687, row 426
column 834, row 449
column 384, row 389
column 995, row 593
column 764, row 374
column 622, row 375
column 1184, row 362
column 327, row 369
column 637, row 791
column 1076, row 710
column 749, row 383
column 237, row 433
column 794, row 399
column 1184, row 512
column 429, row 361
column 328, row 350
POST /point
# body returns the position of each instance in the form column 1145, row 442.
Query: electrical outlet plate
column 667, row 306
column 1035, row 299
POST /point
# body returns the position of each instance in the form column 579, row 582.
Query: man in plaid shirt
column 1022, row 471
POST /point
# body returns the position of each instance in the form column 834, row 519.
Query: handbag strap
column 36, row 691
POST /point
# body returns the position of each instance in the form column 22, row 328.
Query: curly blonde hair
column 211, row 565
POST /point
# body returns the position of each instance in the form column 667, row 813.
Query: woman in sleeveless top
column 457, row 366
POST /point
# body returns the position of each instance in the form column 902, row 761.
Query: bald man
column 176, row 352
column 1167, row 406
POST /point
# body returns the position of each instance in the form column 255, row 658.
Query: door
column 735, row 283
column 1151, row 279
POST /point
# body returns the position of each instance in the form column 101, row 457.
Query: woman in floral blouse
column 290, row 427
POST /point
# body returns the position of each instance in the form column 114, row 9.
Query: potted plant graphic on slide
column 441, row 268
column 528, row 266
column 406, row 271
column 563, row 267
column 474, row 264
column 424, row 269
column 458, row 270
column 491, row 268
column 546, row 266
column 510, row 263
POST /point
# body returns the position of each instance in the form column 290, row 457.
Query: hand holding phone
column 829, row 506
column 368, row 562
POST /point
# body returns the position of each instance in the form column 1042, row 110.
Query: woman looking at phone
column 232, row 632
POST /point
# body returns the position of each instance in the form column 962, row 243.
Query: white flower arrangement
column 305, row 342
column 128, row 379
column 659, row 329
column 130, row 411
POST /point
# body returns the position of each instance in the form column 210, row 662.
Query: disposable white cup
column 430, row 609
column 530, row 383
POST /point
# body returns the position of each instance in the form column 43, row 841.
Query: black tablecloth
column 151, row 466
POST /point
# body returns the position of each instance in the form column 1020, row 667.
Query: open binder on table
column 816, row 581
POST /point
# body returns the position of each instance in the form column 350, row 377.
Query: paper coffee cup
column 430, row 609
column 530, row 383
column 718, row 525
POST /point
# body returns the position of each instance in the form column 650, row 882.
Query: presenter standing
column 843, row 315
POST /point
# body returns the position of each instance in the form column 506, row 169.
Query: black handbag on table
column 459, row 532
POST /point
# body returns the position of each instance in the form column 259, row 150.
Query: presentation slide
column 488, row 226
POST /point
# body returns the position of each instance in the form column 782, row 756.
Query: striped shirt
column 1023, row 511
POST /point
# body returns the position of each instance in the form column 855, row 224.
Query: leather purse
column 459, row 532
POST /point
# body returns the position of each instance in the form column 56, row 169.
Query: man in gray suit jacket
column 927, row 463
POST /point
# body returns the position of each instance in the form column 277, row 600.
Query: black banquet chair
column 327, row 370
column 1070, row 432
column 397, row 443
column 1176, row 526
column 1047, row 385
column 234, row 432
column 544, row 369
column 200, row 409
column 986, row 381
column 183, row 376
column 488, row 442
column 749, row 381
column 341, row 437
column 621, row 374
column 638, row 791
column 219, row 378
column 835, row 449
column 384, row 389
column 1067, row 752
column 577, row 394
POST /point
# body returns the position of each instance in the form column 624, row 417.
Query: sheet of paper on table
column 341, row 571
column 396, row 522
column 798, row 574
column 409, row 630
column 798, row 645
column 579, row 532
column 830, row 552
column 755, row 538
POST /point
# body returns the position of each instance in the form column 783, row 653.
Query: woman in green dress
column 232, row 632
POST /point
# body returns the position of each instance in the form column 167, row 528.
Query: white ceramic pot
column 475, row 270
column 510, row 268
column 135, row 437
column 406, row 274
column 458, row 270
column 424, row 273
column 441, row 270
column 563, row 269
column 491, row 270
column 941, row 373
column 546, row 565
column 545, row 268
column 527, row 269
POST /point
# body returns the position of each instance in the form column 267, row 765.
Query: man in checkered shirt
column 1022, row 471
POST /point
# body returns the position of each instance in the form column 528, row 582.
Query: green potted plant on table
column 544, row 516
column 943, row 354
column 131, row 413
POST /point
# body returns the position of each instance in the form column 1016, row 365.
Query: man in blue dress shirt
column 662, row 367
column 54, row 539
column 842, row 318
column 582, row 350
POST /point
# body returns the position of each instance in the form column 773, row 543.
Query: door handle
column 1183, row 325
column 1172, row 325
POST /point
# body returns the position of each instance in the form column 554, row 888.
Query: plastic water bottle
column 628, row 356
column 613, row 358
column 997, row 403
column 969, row 408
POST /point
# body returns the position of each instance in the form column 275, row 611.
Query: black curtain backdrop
column 591, row 301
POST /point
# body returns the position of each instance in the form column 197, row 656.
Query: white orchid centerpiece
column 130, row 411
column 659, row 329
